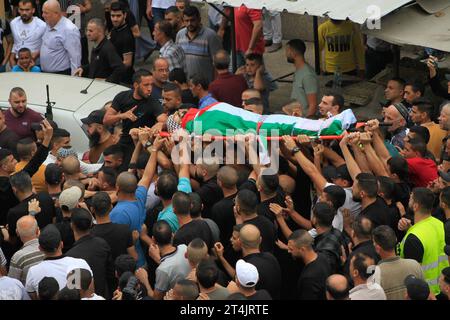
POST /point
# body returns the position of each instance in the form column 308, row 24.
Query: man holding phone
column 135, row 108
column 435, row 84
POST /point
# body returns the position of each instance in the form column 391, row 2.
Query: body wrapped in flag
column 223, row 119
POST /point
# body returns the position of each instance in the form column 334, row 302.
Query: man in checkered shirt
column 169, row 50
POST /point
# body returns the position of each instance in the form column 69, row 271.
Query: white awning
column 356, row 10
column 413, row 26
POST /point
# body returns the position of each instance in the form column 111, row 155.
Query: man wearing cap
column 69, row 199
column 7, row 167
column 397, row 115
column 416, row 289
column 247, row 278
column 55, row 264
column 99, row 136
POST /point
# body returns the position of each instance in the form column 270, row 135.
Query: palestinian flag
column 224, row 119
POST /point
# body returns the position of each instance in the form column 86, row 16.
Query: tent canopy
column 356, row 10
column 412, row 25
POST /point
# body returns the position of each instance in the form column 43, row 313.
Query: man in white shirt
column 54, row 265
column 27, row 31
column 61, row 46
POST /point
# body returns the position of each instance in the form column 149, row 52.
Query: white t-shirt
column 85, row 168
column 338, row 221
column 163, row 4
column 94, row 297
column 12, row 289
column 57, row 268
column 27, row 35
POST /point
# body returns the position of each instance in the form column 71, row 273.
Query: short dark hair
column 81, row 219
column 362, row 227
column 207, row 273
column 48, row 288
column 298, row 46
column 191, row 11
column 385, row 237
column 324, row 214
column 270, row 182
column 124, row 263
column 167, row 185
column 223, row 62
column 200, row 80
column 416, row 86
column 110, row 175
column 445, row 196
column 115, row 150
column 196, row 204
column 172, row 9
column 21, row 181
column 400, row 81
column 338, row 100
column 258, row 58
column 177, row 75
column 367, row 182
column 336, row 195
column 424, row 105
column 181, row 203
column 170, row 86
column 60, row 133
column 25, row 148
column 359, row 261
column 85, row 277
column 421, row 132
column 101, row 204
column 118, row 6
column 66, row 294
column 33, row 2
column 424, row 197
column 53, row 174
column 399, row 166
column 247, row 201
column 166, row 28
column 162, row 233
column 189, row 288
column 387, row 187
column 137, row 76
column 418, row 145
column 22, row 50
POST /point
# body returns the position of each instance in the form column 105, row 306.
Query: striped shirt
column 174, row 55
column 199, row 51
column 25, row 258
column 2, row 259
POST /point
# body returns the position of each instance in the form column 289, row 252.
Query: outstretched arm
column 352, row 166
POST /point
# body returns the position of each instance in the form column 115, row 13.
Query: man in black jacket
column 7, row 167
column 94, row 250
column 435, row 84
column 105, row 62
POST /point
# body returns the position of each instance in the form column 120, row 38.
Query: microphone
column 85, row 91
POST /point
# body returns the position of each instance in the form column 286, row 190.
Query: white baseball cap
column 247, row 274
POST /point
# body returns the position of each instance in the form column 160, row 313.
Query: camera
column 130, row 290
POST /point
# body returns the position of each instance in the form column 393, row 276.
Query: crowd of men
column 364, row 217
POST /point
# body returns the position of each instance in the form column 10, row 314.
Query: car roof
column 64, row 90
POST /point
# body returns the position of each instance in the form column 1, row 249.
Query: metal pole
column 316, row 44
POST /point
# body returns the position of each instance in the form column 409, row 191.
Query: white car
column 70, row 105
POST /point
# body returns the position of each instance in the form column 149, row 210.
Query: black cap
column 95, row 116
column 4, row 153
column 50, row 238
column 36, row 126
column 444, row 175
column 418, row 289
column 402, row 110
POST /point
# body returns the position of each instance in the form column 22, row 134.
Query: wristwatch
column 295, row 150
column 148, row 144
